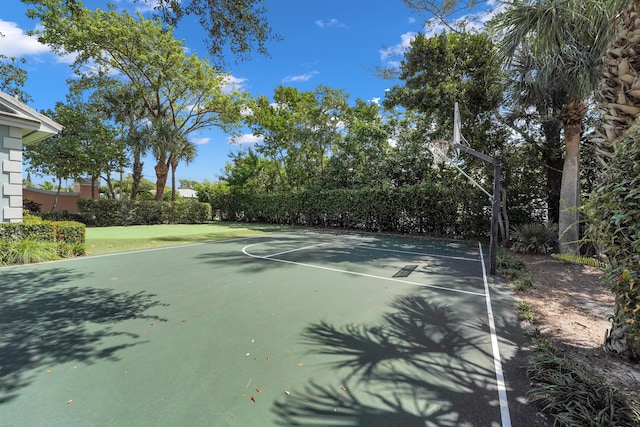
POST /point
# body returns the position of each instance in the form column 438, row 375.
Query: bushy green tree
column 441, row 70
column 180, row 93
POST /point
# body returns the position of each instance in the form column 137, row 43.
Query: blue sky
column 336, row 43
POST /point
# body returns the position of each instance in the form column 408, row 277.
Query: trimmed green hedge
column 424, row 208
column 110, row 212
column 44, row 231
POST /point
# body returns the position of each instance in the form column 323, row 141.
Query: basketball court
column 305, row 328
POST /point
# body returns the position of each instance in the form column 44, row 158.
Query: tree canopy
column 239, row 26
column 177, row 92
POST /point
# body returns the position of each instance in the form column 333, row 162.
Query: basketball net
column 439, row 150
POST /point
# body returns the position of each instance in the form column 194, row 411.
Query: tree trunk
column 137, row 174
column 553, row 160
column 112, row 192
column 162, row 172
column 93, row 186
column 55, row 201
column 572, row 117
column 505, row 226
column 618, row 340
column 174, row 165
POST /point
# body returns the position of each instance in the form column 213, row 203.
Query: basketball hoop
column 439, row 150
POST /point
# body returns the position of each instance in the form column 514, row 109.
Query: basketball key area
column 305, row 328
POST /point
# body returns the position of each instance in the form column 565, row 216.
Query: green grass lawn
column 103, row 240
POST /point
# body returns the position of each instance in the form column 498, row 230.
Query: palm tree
column 620, row 104
column 163, row 136
column 524, row 93
column 125, row 106
column 183, row 151
column 620, row 85
column 568, row 40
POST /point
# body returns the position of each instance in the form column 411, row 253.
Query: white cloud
column 233, row 84
column 200, row 141
column 412, row 20
column 472, row 22
column 142, row 6
column 330, row 23
column 390, row 55
column 300, row 78
column 245, row 139
column 17, row 43
column 375, row 100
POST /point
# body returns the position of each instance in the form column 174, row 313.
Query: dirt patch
column 572, row 306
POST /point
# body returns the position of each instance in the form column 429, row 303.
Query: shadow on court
column 43, row 323
column 417, row 366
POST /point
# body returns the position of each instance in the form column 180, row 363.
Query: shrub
column 613, row 211
column 573, row 396
column 521, row 284
column 69, row 232
column 31, row 206
column 534, row 238
column 504, row 260
column 35, row 240
column 6, row 252
column 109, row 212
column 34, row 229
column 525, row 311
column 60, row 216
column 30, row 250
column 427, row 208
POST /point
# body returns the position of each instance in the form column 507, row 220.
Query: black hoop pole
column 495, row 202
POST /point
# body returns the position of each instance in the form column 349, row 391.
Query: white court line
column 373, row 248
column 294, row 250
column 337, row 270
column 502, row 391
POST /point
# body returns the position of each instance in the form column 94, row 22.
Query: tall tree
column 355, row 159
column 448, row 13
column 178, row 90
column 239, row 25
column 248, row 171
column 532, row 111
column 236, row 25
column 447, row 68
column 127, row 109
column 568, row 40
column 13, row 77
column 61, row 156
column 183, row 151
column 299, row 131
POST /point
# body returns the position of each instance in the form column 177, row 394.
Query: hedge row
column 70, row 232
column 418, row 209
column 110, row 212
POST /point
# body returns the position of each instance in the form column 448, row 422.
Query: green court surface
column 307, row 328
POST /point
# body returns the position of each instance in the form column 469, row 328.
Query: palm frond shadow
column 44, row 323
column 329, row 407
column 419, row 366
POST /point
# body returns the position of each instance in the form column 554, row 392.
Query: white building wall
column 10, row 174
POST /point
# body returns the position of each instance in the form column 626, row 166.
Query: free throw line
column 337, row 270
